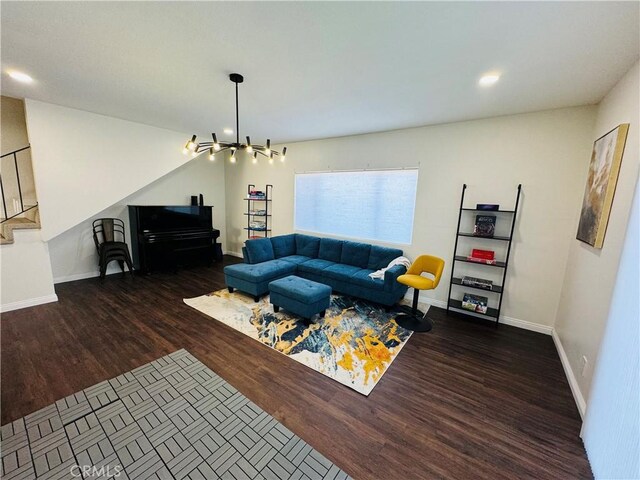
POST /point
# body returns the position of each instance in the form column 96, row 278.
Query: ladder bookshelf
column 497, row 290
column 258, row 210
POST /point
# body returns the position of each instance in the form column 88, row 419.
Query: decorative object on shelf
column 487, row 207
column 482, row 258
column 475, row 303
column 261, row 209
column 485, row 226
column 482, row 283
column 201, row 200
column 194, row 200
column 601, row 185
column 214, row 147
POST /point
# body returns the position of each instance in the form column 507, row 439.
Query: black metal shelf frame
column 497, row 289
column 250, row 206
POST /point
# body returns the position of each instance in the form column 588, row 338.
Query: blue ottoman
column 300, row 296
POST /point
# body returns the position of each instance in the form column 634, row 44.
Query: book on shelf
column 477, row 282
column 475, row 303
column 485, row 226
column 488, row 207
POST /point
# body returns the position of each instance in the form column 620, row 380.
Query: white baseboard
column 82, row 276
column 75, row 276
column 32, row 302
column 514, row 322
column 534, row 327
column 573, row 383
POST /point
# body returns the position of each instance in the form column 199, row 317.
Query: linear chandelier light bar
column 214, row 147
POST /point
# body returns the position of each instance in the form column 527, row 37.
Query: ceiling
column 315, row 69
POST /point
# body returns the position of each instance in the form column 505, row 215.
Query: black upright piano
column 168, row 237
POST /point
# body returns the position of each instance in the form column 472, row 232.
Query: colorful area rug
column 172, row 418
column 354, row 344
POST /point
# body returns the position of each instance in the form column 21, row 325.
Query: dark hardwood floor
column 464, row 401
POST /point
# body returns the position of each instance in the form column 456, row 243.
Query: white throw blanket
column 396, row 261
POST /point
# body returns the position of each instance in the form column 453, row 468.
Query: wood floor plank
column 464, row 401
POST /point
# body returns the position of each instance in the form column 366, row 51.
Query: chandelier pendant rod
column 237, row 119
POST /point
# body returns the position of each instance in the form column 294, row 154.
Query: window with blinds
column 376, row 205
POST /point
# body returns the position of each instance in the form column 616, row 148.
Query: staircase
column 19, row 206
column 30, row 220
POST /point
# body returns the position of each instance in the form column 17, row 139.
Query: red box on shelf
column 482, row 254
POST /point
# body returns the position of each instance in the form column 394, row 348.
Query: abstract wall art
column 601, row 185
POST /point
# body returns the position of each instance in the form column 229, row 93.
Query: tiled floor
column 171, row 418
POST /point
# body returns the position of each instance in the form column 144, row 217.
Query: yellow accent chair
column 433, row 266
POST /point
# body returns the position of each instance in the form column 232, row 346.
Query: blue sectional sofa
column 343, row 265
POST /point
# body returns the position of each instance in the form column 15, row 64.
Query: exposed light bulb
column 249, row 147
column 216, row 146
column 185, row 150
column 270, row 160
column 267, row 149
column 212, row 156
column 254, row 161
column 191, row 144
column 233, row 157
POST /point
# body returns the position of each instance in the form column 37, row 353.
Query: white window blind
column 369, row 205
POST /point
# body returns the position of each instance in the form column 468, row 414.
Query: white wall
column 612, row 424
column 84, row 162
column 73, row 253
column 546, row 151
column 590, row 273
column 26, row 277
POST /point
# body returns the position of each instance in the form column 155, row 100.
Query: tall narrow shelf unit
column 258, row 208
column 497, row 291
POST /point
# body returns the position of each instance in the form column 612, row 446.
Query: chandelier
column 214, row 147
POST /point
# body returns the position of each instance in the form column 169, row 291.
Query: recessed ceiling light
column 228, row 131
column 21, row 77
column 489, row 79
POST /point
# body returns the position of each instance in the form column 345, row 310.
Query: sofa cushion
column 340, row 271
column 307, row 245
column 317, row 265
column 330, row 249
column 363, row 279
column 300, row 289
column 297, row 259
column 284, row 245
column 260, row 272
column 380, row 257
column 259, row 250
column 356, row 254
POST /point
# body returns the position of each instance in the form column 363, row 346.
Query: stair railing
column 2, row 188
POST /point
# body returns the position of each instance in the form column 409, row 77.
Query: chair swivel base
column 408, row 310
column 414, row 323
